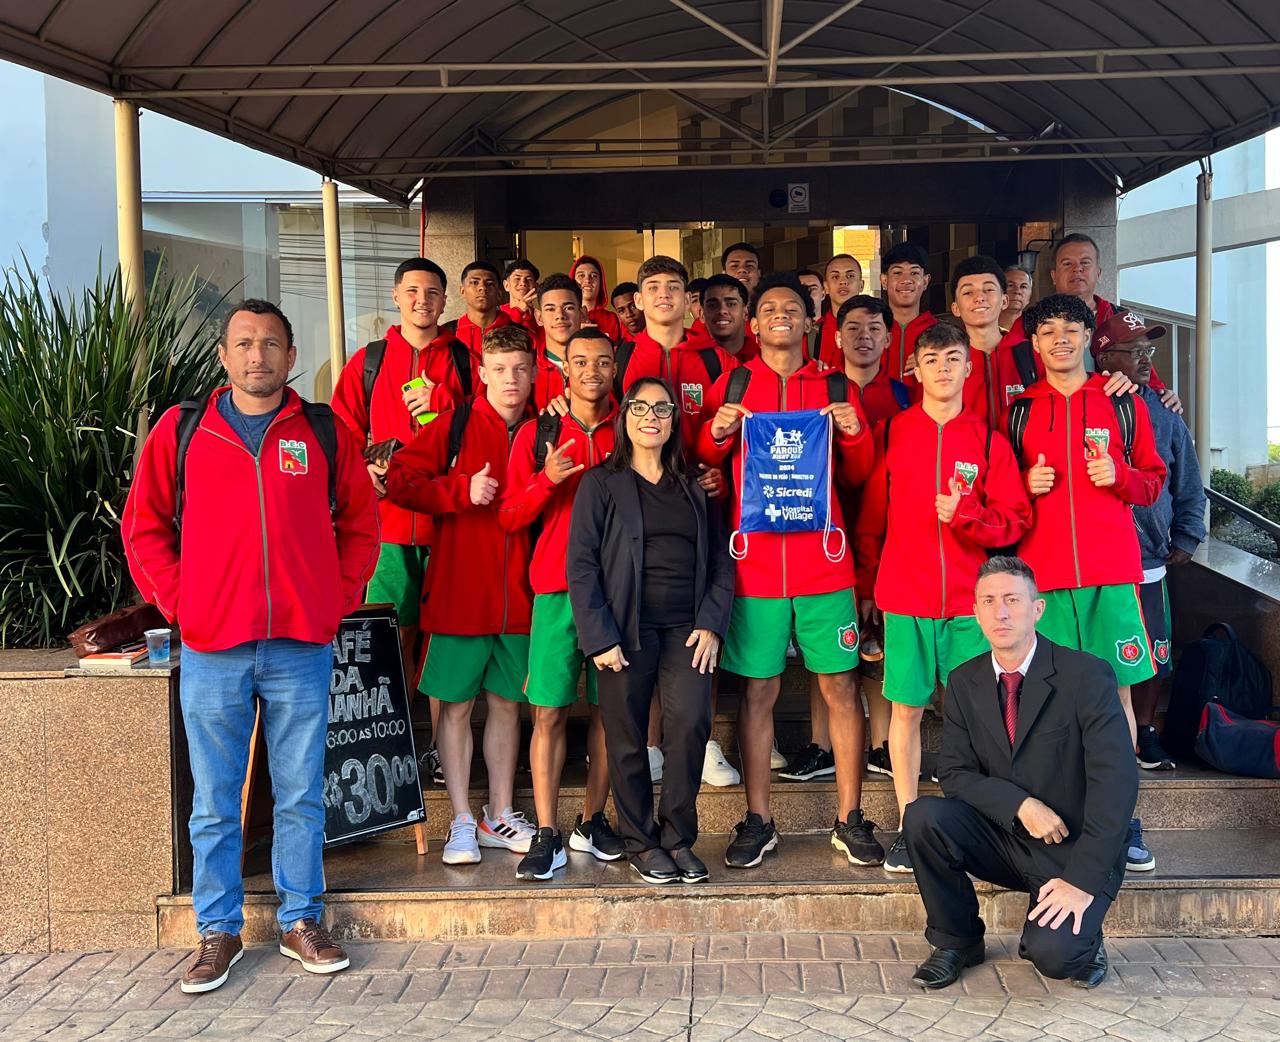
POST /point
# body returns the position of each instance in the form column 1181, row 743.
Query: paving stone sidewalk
column 729, row 986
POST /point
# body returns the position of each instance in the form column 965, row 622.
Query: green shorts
column 398, row 579
column 555, row 660
column 1105, row 621
column 919, row 654
column 458, row 668
column 825, row 625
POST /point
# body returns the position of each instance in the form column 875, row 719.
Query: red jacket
column 879, row 402
column 795, row 564
column 386, row 417
column 259, row 557
column 983, row 388
column 1082, row 535
column 683, row 368
column 600, row 315
column 520, row 316
column 915, row 564
column 548, row 380
column 901, row 343
column 478, row 574
column 471, row 334
column 529, row 493
column 829, row 351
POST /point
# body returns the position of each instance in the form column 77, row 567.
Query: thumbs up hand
column 1040, row 477
column 483, row 487
column 947, row 505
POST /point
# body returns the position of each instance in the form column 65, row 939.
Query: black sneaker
column 813, row 762
column 435, row 771
column 856, row 839
column 878, row 760
column 899, row 858
column 753, row 837
column 546, row 854
column 1151, row 754
column 597, row 838
column 692, row 870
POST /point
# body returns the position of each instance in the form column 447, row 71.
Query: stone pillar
column 451, row 234
column 1088, row 204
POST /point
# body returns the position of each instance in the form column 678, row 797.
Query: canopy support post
column 333, row 280
column 1204, row 316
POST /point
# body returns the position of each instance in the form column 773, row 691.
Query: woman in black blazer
column 651, row 584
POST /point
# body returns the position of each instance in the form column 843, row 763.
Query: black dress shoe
column 692, row 870
column 655, row 866
column 944, row 965
column 1095, row 973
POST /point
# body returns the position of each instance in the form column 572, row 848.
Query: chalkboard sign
column 370, row 767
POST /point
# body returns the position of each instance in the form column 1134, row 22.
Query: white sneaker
column 461, row 848
column 655, row 763
column 716, row 770
column 509, row 830
column 776, row 760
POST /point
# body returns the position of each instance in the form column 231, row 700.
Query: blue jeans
column 289, row 679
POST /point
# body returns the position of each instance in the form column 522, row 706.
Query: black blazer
column 1072, row 752
column 606, row 560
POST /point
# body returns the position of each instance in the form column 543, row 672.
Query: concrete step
column 1208, row 883
column 1186, row 798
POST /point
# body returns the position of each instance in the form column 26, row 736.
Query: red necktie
column 1012, row 685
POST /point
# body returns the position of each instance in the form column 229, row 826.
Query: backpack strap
column 190, row 412
column 320, row 417
column 737, row 389
column 837, row 386
column 1024, row 358
column 462, row 366
column 1126, row 417
column 374, row 353
column 1019, row 413
column 548, row 431
column 458, row 427
column 887, row 424
column 711, row 362
column 901, row 393
column 988, row 450
column 622, row 359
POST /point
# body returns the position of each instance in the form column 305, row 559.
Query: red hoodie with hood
column 903, row 342
column 600, row 315
column 472, row 335
column 914, row 563
column 1083, row 535
column 683, row 368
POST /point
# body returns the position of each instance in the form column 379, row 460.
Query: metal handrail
column 1240, row 510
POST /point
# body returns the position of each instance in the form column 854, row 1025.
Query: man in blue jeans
column 258, row 551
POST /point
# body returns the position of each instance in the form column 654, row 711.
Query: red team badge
column 1129, row 651
column 848, row 637
column 1096, row 441
column 293, row 456
column 1160, row 650
column 965, row 475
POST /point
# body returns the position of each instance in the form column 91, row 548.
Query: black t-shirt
column 670, row 553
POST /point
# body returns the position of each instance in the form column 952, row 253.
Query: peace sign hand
column 559, row 463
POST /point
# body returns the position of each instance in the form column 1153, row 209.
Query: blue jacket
column 1176, row 519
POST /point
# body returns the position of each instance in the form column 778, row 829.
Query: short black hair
column 781, row 280
column 521, row 264
column 421, row 264
column 628, row 288
column 697, row 286
column 1008, row 565
column 1075, row 237
column 257, row 307
column 559, row 280
column 979, row 265
column 904, row 253
column 478, row 265
column 863, row 302
column 728, row 280
column 659, row 264
column 841, row 256
column 745, row 247
column 942, row 334
column 801, row 272
column 1057, row 305
column 588, row 333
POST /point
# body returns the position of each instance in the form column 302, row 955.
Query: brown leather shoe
column 211, row 962
column 310, row 943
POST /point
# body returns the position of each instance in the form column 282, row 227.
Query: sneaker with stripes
column 509, row 831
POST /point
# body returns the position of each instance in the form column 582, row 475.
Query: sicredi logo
column 787, row 446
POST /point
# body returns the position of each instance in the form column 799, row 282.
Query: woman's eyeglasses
column 662, row 410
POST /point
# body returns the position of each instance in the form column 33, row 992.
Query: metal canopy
column 382, row 93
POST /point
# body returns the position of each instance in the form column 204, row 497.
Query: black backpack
column 375, row 352
column 192, row 410
column 627, row 348
column 1126, row 419
column 1214, row 670
column 1024, row 358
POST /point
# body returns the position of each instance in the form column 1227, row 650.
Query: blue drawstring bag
column 784, row 478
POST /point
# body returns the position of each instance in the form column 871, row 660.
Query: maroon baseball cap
column 1123, row 327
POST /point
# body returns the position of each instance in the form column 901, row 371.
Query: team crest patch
column 1011, row 391
column 848, row 637
column 1096, row 440
column 293, row 456
column 1160, row 650
column 1129, row 652
column 692, row 395
column 966, row 474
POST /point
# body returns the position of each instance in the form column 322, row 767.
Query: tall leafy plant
column 69, row 405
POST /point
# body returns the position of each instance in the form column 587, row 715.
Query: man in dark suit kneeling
column 1040, row 784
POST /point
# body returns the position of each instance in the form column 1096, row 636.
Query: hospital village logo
column 293, row 456
column 1097, row 439
column 787, row 446
column 1160, row 650
column 965, row 475
column 1129, row 652
column 692, row 395
column 848, row 636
